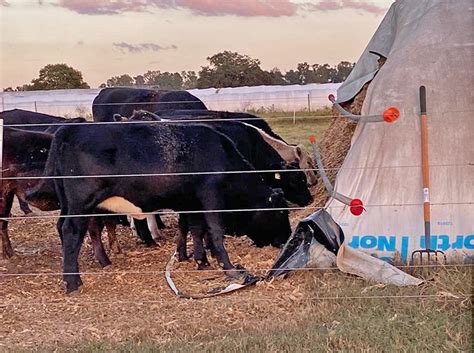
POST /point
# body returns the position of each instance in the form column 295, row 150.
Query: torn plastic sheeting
column 358, row 263
column 249, row 280
column 305, row 247
column 318, row 228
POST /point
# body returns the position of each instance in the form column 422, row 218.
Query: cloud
column 248, row 8
column 244, row 8
column 270, row 8
column 331, row 5
column 139, row 48
column 80, row 43
column 4, row 3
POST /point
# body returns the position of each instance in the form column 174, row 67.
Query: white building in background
column 78, row 102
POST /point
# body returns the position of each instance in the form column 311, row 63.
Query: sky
column 105, row 38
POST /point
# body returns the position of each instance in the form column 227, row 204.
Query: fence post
column 3, row 103
column 36, row 108
column 294, row 115
column 1, row 158
column 309, row 102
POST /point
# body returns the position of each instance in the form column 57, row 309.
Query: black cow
column 235, row 116
column 151, row 149
column 261, row 156
column 124, row 100
column 20, row 159
column 24, row 154
column 255, row 150
column 287, row 151
column 29, row 120
column 25, row 151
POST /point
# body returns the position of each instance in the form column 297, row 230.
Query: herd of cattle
column 145, row 151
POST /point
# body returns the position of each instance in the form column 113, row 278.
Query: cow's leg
column 73, row 231
column 210, row 200
column 181, row 241
column 144, row 233
column 95, row 227
column 111, row 225
column 24, row 207
column 209, row 245
column 197, row 230
column 159, row 222
column 5, row 209
column 216, row 232
column 153, row 228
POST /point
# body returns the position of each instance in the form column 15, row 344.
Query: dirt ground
column 115, row 304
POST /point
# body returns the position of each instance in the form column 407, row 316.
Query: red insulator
column 391, row 114
column 356, row 207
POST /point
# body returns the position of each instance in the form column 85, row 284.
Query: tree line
column 225, row 69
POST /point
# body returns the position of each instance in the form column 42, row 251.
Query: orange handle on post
column 425, row 166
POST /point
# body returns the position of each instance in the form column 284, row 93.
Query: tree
column 57, row 76
column 139, row 80
column 231, row 69
column 344, row 68
column 190, row 79
column 324, row 73
column 8, row 89
column 276, row 77
column 122, row 80
column 163, row 80
column 292, row 77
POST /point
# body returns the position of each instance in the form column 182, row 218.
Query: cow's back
column 122, row 100
column 234, row 116
column 179, row 100
column 25, row 117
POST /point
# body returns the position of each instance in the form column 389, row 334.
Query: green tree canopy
column 57, row 76
column 122, row 80
column 231, row 69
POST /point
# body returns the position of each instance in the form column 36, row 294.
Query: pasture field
column 127, row 307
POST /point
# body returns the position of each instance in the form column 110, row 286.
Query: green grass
column 297, row 128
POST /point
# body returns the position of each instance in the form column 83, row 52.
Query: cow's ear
column 277, row 176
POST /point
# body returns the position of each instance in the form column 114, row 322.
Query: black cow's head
column 294, row 184
column 270, row 227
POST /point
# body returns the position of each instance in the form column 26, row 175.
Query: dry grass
column 119, row 311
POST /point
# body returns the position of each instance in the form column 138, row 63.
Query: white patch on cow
column 153, row 227
column 118, row 204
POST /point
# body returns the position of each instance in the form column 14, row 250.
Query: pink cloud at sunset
column 244, row 8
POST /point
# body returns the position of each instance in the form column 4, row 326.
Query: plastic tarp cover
column 317, row 239
column 430, row 43
column 313, row 231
